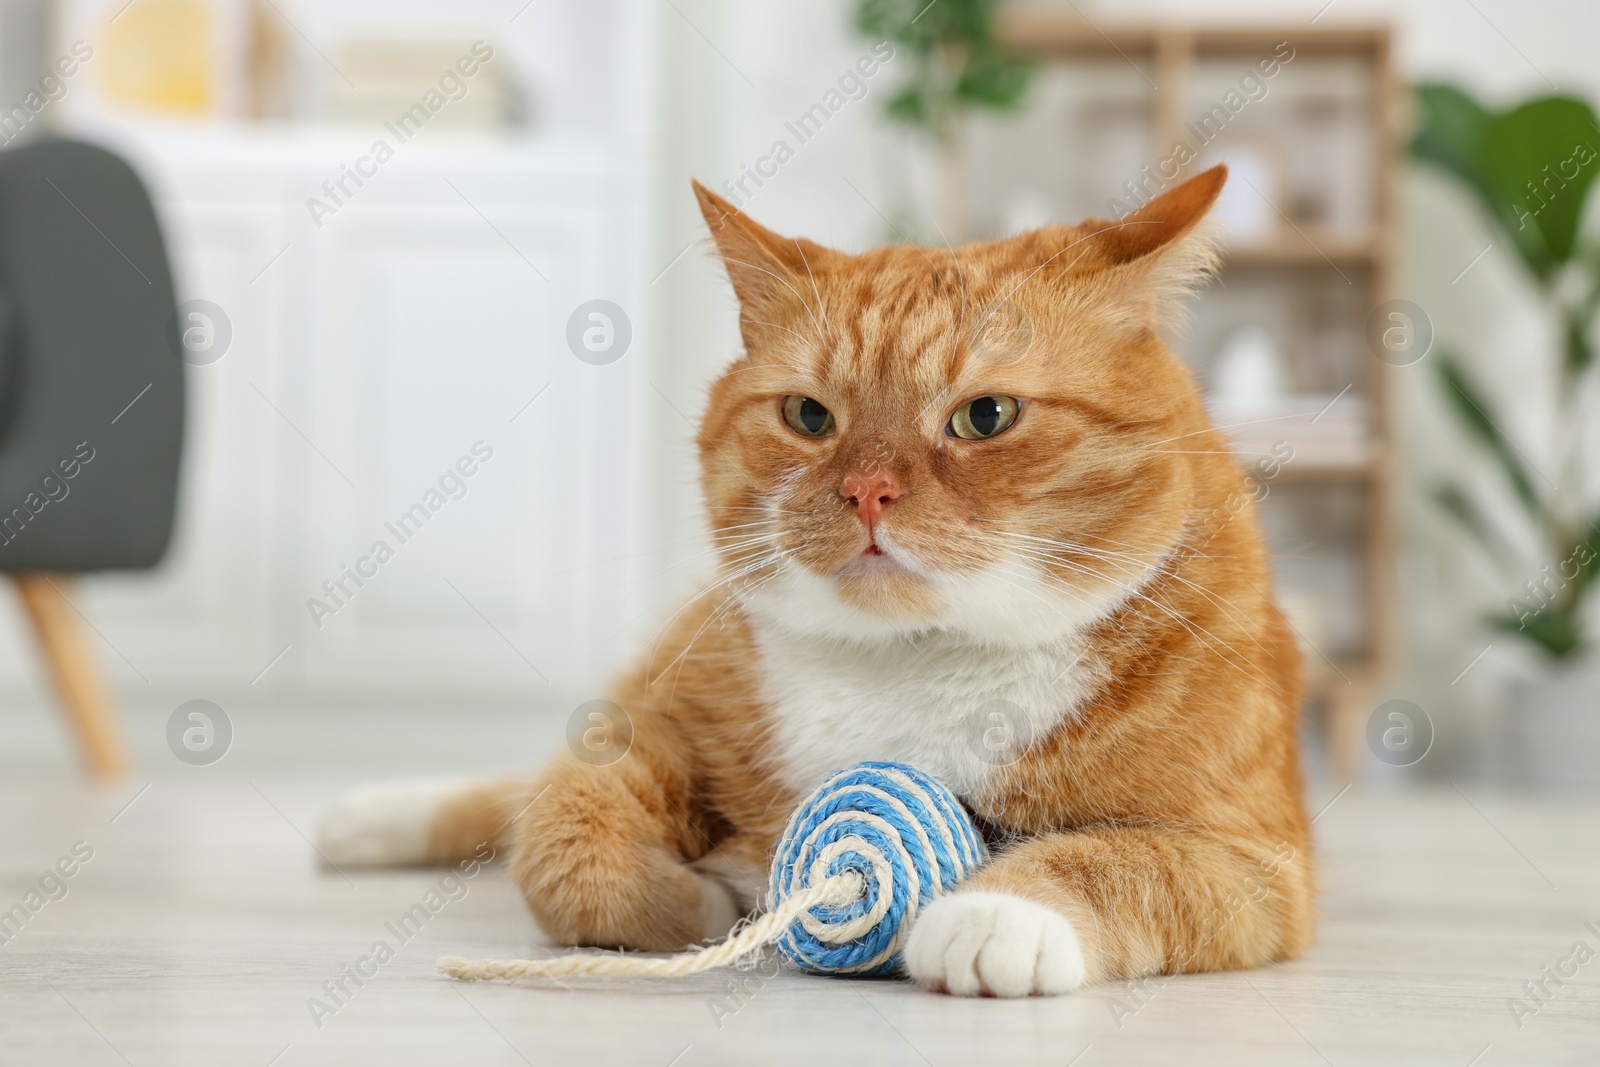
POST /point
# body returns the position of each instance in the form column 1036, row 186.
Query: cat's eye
column 983, row 418
column 806, row 417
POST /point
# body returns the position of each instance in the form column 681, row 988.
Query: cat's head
column 987, row 440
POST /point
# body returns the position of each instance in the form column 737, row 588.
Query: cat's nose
column 869, row 494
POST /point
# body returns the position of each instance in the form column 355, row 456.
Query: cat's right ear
column 763, row 266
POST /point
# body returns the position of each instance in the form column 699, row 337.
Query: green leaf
column 1578, row 353
column 994, row 81
column 1542, row 158
column 1530, row 167
column 1473, row 411
column 955, row 62
column 1590, row 566
column 1460, row 507
column 1558, row 633
column 1449, row 132
column 1563, row 587
column 910, row 106
column 922, row 26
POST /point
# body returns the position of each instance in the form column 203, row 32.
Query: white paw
column 975, row 944
column 383, row 825
column 718, row 908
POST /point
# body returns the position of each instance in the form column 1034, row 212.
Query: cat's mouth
column 884, row 580
column 881, row 556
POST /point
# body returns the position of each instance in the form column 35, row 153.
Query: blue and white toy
column 893, row 839
column 861, row 857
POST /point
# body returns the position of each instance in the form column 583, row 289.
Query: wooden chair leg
column 79, row 685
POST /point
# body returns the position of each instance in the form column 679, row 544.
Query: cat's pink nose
column 869, row 494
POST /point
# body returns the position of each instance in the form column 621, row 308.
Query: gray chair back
column 91, row 389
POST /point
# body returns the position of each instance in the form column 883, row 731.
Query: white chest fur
column 960, row 709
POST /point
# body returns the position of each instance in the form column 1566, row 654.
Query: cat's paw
column 976, row 944
column 383, row 825
column 719, row 909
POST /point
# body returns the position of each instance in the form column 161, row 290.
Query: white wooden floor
column 201, row 927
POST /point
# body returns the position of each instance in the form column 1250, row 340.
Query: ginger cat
column 971, row 515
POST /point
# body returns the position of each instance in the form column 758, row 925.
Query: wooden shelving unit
column 1302, row 256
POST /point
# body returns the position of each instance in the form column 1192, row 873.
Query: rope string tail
column 835, row 891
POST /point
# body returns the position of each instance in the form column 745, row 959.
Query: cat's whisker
column 756, row 507
column 1200, row 633
column 1097, row 537
column 715, row 583
column 1232, row 611
column 720, row 585
column 775, row 326
column 822, row 308
column 1026, row 582
column 735, row 535
column 1228, row 607
column 1204, row 452
column 1232, row 426
column 767, row 366
column 718, row 549
column 1184, row 547
column 608, row 561
column 732, row 526
column 821, row 336
column 733, row 596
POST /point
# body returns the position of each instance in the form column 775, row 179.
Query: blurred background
column 430, row 237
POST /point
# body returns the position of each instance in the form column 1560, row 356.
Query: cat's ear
column 1164, row 221
column 763, row 266
column 1161, row 253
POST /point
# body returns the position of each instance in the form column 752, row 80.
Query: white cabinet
column 375, row 360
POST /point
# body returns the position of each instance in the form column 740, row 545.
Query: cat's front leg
column 1066, row 909
column 603, row 855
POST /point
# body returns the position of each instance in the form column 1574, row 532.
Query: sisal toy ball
column 861, row 856
column 901, row 835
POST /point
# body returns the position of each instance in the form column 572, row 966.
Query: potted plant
column 1531, row 169
column 957, row 65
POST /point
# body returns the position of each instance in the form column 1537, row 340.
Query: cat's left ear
column 764, row 266
column 1160, row 253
